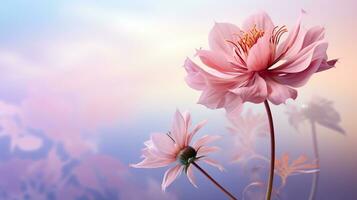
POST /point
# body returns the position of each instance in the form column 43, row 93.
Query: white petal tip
column 134, row 166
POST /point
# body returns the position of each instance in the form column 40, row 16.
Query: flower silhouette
column 165, row 149
column 246, row 129
column 284, row 168
column 319, row 110
column 295, row 115
column 253, row 65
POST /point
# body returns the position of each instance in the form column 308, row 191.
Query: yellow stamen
column 249, row 38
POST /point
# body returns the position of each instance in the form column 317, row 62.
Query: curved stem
column 315, row 178
column 260, row 157
column 245, row 190
column 214, row 181
column 272, row 151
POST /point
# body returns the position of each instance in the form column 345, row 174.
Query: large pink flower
column 164, row 149
column 251, row 64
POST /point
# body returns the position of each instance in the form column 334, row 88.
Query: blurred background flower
column 85, row 82
column 285, row 167
column 318, row 110
column 246, row 129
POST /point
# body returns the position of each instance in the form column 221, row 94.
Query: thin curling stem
column 214, row 182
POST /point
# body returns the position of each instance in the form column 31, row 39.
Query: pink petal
column 259, row 55
column 285, row 159
column 314, row 34
column 170, row 175
column 299, row 160
column 195, row 130
column 255, row 91
column 305, row 166
column 220, row 33
column 187, row 118
column 278, row 93
column 179, row 129
column 212, row 98
column 216, row 60
column 153, row 153
column 163, row 143
column 212, row 163
column 261, row 20
column 284, row 50
column 188, row 123
column 191, row 177
column 300, row 78
column 299, row 62
column 194, row 78
column 199, row 79
column 204, row 150
column 325, row 65
column 149, row 163
column 205, row 140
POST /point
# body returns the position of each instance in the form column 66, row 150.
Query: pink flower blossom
column 165, row 149
column 253, row 64
column 284, row 169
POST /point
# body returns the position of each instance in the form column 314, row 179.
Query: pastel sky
column 100, row 76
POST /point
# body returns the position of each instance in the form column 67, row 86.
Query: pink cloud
column 99, row 172
column 19, row 135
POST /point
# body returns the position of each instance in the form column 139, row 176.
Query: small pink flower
column 164, row 149
column 253, row 64
column 284, row 169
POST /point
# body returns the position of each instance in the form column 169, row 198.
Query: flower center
column 187, row 155
column 249, row 38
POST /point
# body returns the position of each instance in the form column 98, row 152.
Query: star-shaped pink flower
column 174, row 148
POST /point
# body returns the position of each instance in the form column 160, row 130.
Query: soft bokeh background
column 84, row 83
